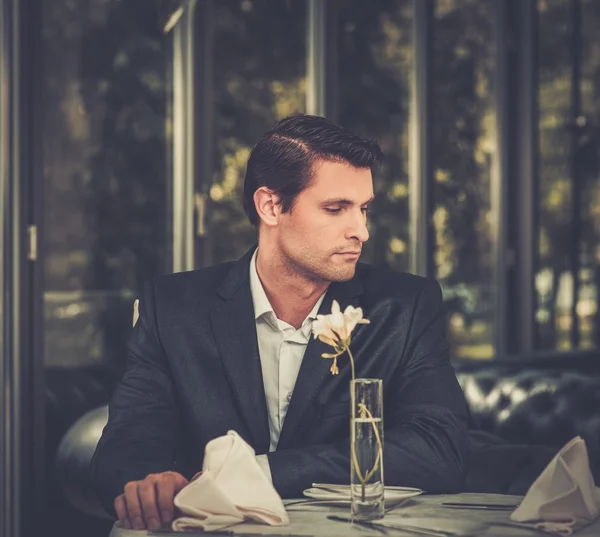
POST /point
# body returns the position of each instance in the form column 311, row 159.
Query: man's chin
column 343, row 275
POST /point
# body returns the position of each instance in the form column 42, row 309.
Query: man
column 230, row 346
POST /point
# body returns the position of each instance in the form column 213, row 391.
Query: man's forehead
column 343, row 181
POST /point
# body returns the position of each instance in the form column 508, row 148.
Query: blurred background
column 125, row 126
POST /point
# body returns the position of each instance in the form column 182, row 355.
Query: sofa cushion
column 534, row 407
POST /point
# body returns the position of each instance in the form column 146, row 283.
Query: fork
column 400, row 527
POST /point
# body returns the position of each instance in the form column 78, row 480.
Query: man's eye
column 365, row 210
column 332, row 211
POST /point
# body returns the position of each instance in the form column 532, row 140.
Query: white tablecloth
column 308, row 521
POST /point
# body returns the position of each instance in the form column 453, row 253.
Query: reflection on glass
column 260, row 77
column 373, row 66
column 554, row 279
column 104, row 136
column 589, row 157
column 463, row 149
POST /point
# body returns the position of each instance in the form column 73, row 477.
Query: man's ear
column 267, row 206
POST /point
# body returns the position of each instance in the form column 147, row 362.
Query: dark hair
column 283, row 159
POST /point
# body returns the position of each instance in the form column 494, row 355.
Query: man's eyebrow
column 344, row 201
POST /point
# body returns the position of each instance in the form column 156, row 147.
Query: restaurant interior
column 125, row 128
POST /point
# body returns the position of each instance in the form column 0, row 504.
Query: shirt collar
column 261, row 302
column 259, row 297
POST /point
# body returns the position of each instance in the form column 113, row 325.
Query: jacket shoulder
column 389, row 283
column 200, row 281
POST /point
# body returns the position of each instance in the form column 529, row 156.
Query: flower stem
column 362, row 480
column 379, row 445
column 351, row 361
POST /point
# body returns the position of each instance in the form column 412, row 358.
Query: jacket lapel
column 315, row 369
column 235, row 333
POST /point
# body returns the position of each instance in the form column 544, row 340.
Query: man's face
column 322, row 236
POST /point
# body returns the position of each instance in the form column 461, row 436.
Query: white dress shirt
column 281, row 348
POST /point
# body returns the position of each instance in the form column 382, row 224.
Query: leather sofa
column 521, row 414
column 534, row 407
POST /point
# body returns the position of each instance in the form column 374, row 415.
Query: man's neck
column 291, row 296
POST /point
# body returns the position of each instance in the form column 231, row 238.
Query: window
column 260, row 77
column 104, row 147
column 568, row 278
column 463, row 151
column 371, row 97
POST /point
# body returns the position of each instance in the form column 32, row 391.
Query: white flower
column 336, row 328
column 321, row 328
column 354, row 316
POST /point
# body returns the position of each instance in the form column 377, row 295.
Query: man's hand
column 148, row 504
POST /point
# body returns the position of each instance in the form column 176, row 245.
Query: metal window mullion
column 421, row 180
column 331, row 60
column 183, row 141
column 315, row 58
column 11, row 248
column 499, row 182
column 526, row 187
column 6, row 466
column 574, row 251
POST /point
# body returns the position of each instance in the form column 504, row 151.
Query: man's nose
column 358, row 229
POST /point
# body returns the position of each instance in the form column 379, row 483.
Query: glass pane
column 374, row 62
column 260, row 77
column 553, row 280
column 105, row 134
column 464, row 148
column 589, row 159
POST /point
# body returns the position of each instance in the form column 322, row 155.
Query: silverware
column 488, row 506
column 400, row 527
column 363, row 523
column 172, row 533
column 423, row 531
column 519, row 526
column 219, row 533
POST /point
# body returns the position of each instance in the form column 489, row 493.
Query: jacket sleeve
column 141, row 436
column 425, row 418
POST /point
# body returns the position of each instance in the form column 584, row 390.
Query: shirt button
column 289, row 397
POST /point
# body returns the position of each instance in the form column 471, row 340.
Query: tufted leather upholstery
column 534, row 407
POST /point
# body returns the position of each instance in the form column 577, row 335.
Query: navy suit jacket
column 193, row 373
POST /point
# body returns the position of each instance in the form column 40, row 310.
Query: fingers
column 147, row 503
column 167, row 488
column 121, row 509
column 134, row 509
column 166, row 493
column 181, row 481
column 147, row 495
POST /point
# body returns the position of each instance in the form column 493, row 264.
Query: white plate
column 342, row 494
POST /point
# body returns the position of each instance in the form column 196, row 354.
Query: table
column 309, row 521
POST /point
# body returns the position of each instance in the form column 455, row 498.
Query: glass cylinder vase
column 366, row 449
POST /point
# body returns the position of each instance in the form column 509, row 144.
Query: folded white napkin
column 563, row 498
column 231, row 489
